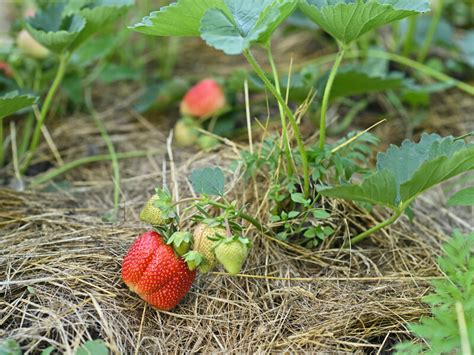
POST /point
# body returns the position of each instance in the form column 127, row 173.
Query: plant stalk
column 463, row 332
column 327, row 95
column 431, row 32
column 410, row 36
column 284, row 131
column 374, row 229
column 245, row 216
column 63, row 60
column 294, row 125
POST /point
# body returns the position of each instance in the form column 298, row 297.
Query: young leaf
column 405, row 172
column 13, row 102
column 452, row 297
column 208, row 181
column 181, row 18
column 244, row 23
column 347, row 20
column 53, row 29
column 462, row 198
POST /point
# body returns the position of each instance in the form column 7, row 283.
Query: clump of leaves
column 404, row 172
column 450, row 328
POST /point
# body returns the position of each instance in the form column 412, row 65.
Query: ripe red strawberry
column 203, row 100
column 153, row 271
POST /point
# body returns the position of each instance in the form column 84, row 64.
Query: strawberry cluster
column 161, row 264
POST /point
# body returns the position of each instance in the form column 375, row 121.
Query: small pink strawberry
column 203, row 100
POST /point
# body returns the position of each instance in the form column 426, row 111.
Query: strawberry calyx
column 193, row 259
column 180, row 241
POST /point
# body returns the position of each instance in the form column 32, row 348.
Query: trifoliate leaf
column 93, row 347
column 181, row 18
column 462, row 198
column 208, row 181
column 406, row 171
column 13, row 102
column 54, row 29
column 347, row 20
column 99, row 14
column 245, row 22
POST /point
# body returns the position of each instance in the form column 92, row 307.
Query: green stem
column 110, row 147
column 26, row 135
column 245, row 216
column 419, row 67
column 327, row 95
column 409, row 38
column 284, row 131
column 374, row 229
column 41, row 179
column 63, row 60
column 294, row 125
column 431, row 32
column 463, row 332
column 422, row 69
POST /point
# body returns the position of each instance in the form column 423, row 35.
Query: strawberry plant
column 61, row 28
column 236, row 26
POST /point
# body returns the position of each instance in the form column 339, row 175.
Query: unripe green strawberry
column 207, row 143
column 154, row 215
column 203, row 244
column 181, row 242
column 231, row 253
column 185, row 132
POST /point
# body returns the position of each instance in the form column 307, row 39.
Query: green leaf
column 347, row 20
column 53, row 29
column 244, row 23
column 181, row 18
column 99, row 14
column 48, row 350
column 351, row 81
column 93, row 347
column 9, row 347
column 13, row 102
column 405, row 172
column 462, row 198
column 208, row 181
